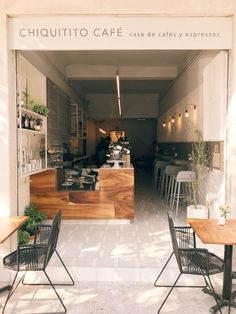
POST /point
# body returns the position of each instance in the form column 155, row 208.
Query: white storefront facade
column 31, row 25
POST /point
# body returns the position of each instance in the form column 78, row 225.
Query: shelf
column 32, row 131
column 30, row 112
column 32, row 143
column 32, row 172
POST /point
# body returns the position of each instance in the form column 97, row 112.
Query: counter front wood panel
column 45, row 181
column 115, row 198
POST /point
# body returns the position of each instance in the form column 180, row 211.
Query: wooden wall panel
column 43, row 182
column 115, row 198
column 58, row 198
column 81, row 211
column 116, row 177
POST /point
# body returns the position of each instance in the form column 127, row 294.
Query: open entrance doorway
column 65, row 77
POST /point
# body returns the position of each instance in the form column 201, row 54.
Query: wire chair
column 193, row 261
column 35, row 257
column 186, row 239
column 233, row 294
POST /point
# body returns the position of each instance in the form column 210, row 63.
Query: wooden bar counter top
column 113, row 200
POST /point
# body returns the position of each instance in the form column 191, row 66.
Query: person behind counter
column 102, row 149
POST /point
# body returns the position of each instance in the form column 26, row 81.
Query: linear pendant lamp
column 118, row 91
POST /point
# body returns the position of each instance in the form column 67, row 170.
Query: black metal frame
column 35, row 257
column 192, row 261
column 186, row 238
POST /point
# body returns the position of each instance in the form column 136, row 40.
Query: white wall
column 104, row 106
column 40, row 61
column 29, row 77
column 204, row 85
column 159, row 7
column 214, row 95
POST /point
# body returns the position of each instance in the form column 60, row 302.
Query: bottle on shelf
column 32, row 122
column 18, row 120
column 27, row 122
column 23, row 121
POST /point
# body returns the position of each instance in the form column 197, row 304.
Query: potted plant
column 223, row 211
column 40, row 109
column 29, row 228
column 199, row 158
column 38, row 124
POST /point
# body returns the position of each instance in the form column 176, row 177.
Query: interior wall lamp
column 118, row 91
column 172, row 119
column 186, row 114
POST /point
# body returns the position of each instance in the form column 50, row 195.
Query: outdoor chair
column 233, row 294
column 193, row 261
column 186, row 239
column 35, row 257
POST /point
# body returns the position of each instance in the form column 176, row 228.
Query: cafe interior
column 114, row 151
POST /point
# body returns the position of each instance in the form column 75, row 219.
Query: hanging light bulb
column 186, row 113
column 173, row 120
column 164, row 124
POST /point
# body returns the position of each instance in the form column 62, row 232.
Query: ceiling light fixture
column 102, row 131
column 118, row 91
column 173, row 119
column 164, row 124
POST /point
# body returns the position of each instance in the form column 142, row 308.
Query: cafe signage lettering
column 74, row 32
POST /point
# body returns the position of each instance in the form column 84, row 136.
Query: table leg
column 227, row 282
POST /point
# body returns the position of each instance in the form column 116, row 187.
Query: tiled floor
column 115, row 265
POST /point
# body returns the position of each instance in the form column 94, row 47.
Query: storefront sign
column 122, row 33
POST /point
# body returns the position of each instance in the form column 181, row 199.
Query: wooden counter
column 114, row 200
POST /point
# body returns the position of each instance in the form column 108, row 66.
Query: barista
column 102, row 149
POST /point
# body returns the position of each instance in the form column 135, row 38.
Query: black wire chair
column 193, row 261
column 233, row 294
column 35, row 257
column 186, row 239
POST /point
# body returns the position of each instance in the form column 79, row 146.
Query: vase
column 221, row 220
column 198, row 211
column 37, row 127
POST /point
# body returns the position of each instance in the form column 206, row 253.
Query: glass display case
column 80, row 179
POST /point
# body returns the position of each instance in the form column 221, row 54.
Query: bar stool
column 157, row 173
column 161, row 169
column 185, row 181
column 170, row 175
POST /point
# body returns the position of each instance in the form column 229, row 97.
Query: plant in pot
column 41, row 109
column 223, row 211
column 199, row 158
column 38, row 124
column 29, row 228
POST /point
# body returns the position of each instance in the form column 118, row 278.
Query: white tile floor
column 115, row 265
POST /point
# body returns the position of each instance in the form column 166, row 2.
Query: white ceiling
column 143, row 72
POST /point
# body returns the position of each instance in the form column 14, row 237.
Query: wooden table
column 210, row 232
column 8, row 225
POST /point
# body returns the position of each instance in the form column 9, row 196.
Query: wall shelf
column 32, row 144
